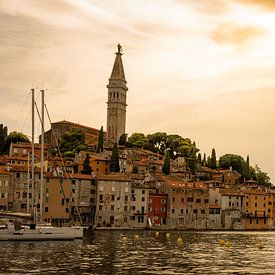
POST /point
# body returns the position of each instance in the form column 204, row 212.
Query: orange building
column 259, row 209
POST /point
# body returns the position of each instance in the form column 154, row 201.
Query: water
column 120, row 252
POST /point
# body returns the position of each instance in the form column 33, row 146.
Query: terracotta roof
column 4, row 171
column 214, row 206
column 231, row 192
column 119, row 177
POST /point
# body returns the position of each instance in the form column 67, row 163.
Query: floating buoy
column 167, row 236
column 136, row 237
column 222, row 242
column 228, row 243
column 179, row 240
column 157, row 234
column 124, row 238
column 261, row 245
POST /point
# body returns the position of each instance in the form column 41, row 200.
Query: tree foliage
column 87, row 169
column 114, row 165
column 137, row 140
column 3, row 137
column 160, row 142
column 235, row 162
column 166, row 164
column 72, row 142
column 100, row 140
column 123, row 139
column 14, row 137
column 213, row 160
column 261, row 177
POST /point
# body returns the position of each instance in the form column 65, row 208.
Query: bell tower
column 116, row 104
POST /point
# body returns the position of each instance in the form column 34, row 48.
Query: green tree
column 204, row 160
column 72, row 142
column 114, row 165
column 137, row 140
column 87, row 169
column 192, row 162
column 15, row 137
column 261, row 177
column 100, row 140
column 123, row 139
column 213, row 160
column 3, row 137
column 199, row 158
column 158, row 141
column 235, row 162
column 246, row 172
column 166, row 164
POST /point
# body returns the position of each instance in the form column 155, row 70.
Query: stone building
column 116, row 104
column 60, row 127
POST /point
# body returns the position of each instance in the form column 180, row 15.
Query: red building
column 157, row 209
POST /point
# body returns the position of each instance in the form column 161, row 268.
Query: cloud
column 231, row 33
column 266, row 4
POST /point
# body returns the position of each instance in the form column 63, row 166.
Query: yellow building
column 259, row 209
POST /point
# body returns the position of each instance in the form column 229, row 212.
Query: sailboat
column 14, row 229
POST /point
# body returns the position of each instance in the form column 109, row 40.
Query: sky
column 203, row 69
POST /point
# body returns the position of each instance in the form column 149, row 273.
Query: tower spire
column 118, row 71
column 116, row 105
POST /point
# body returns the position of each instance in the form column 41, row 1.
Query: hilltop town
column 107, row 180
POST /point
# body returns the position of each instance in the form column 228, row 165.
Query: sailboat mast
column 28, row 186
column 42, row 156
column 32, row 200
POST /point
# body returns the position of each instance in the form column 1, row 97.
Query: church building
column 116, row 104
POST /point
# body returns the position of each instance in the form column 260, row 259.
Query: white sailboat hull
column 41, row 234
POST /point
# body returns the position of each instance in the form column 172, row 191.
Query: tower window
column 117, row 94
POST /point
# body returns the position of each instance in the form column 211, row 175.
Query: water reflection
column 122, row 252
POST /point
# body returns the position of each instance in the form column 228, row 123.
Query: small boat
column 17, row 232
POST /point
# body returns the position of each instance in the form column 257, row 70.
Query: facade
column 113, row 201
column 139, row 205
column 187, row 204
column 23, row 148
column 157, row 209
column 232, row 209
column 5, row 178
column 116, row 104
column 258, row 209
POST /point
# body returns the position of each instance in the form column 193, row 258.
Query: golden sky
column 203, row 69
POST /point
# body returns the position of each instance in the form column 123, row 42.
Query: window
column 47, row 209
column 142, row 199
column 113, row 197
column 186, row 211
column 203, row 211
column 256, row 204
column 112, row 207
column 229, row 204
column 190, row 199
column 195, row 211
column 67, row 210
column 133, row 207
column 125, row 219
column 163, row 200
column 182, row 199
column 62, row 202
column 125, row 208
column 206, row 201
column 101, row 197
column 100, row 207
column 149, row 200
column 181, row 211
column 73, row 181
column 18, row 175
column 143, row 192
column 126, row 198
column 198, row 200
column 132, row 218
column 173, row 210
column 173, row 199
column 149, row 209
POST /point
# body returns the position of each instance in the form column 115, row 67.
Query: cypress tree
column 100, row 141
column 166, row 164
column 246, row 173
column 199, row 158
column 114, row 166
column 204, row 160
column 213, row 160
column 87, row 169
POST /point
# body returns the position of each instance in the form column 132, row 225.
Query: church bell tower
column 116, row 104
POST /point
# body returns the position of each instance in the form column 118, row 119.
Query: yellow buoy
column 261, row 245
column 136, row 237
column 167, row 236
column 179, row 240
column 228, row 243
column 157, row 234
column 222, row 242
